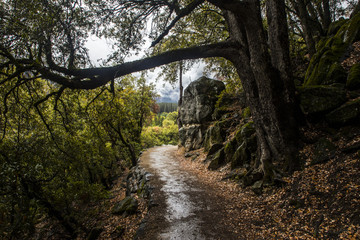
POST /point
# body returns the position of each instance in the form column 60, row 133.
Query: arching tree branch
column 95, row 77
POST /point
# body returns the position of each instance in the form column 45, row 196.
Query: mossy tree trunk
column 267, row 82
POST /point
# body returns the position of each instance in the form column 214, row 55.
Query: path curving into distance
column 182, row 207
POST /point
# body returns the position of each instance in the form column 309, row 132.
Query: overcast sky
column 100, row 49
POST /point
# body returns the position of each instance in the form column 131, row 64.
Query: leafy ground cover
column 320, row 202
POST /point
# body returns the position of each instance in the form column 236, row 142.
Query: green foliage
column 60, row 151
column 246, row 113
column 163, row 131
column 203, row 25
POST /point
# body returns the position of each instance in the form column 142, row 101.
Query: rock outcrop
column 320, row 99
column 196, row 111
column 325, row 67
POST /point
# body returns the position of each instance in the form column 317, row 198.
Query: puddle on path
column 177, row 188
column 187, row 209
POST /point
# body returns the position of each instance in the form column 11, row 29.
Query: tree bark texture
column 302, row 13
column 267, row 82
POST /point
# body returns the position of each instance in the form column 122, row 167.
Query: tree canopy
column 47, row 38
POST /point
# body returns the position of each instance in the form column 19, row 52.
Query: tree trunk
column 181, row 89
column 280, row 58
column 327, row 15
column 356, row 10
column 268, row 87
column 301, row 12
column 128, row 145
column 130, row 148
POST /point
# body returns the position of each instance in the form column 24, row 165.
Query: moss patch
column 246, row 113
column 318, row 99
column 353, row 80
column 213, row 136
column 336, row 74
column 324, row 66
column 229, row 150
column 128, row 205
column 240, row 157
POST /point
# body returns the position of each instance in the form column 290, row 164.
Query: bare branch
column 183, row 12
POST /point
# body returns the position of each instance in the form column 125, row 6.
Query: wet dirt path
column 182, row 207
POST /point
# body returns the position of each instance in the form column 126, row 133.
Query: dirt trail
column 183, row 207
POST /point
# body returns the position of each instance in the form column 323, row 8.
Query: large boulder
column 196, row 111
column 127, row 206
column 199, row 100
column 192, row 136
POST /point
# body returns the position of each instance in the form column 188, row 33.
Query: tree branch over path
column 91, row 78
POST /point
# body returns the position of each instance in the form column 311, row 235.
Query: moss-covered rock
column 214, row 135
column 353, row 79
column 319, row 74
column 244, row 132
column 241, row 156
column 246, row 113
column 128, row 205
column 229, row 149
column 335, row 26
column 353, row 30
column 218, row 160
column 344, row 114
column 223, row 105
column 214, row 148
column 319, row 99
column 336, row 74
column 251, row 177
column 324, row 67
column 257, row 187
column 243, row 147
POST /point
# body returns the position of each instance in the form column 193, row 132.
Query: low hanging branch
column 92, row 78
